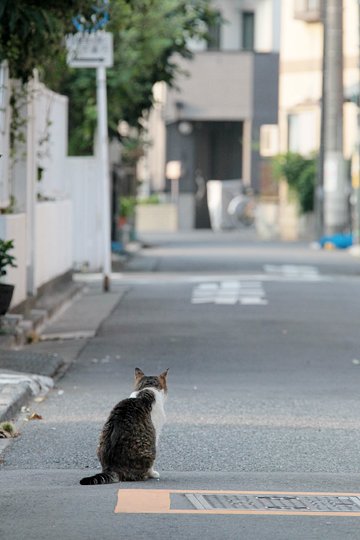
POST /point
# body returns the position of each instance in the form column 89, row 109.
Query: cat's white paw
column 154, row 474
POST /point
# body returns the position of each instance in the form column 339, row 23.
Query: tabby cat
column 127, row 446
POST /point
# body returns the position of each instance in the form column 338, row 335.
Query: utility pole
column 101, row 101
column 356, row 173
column 335, row 183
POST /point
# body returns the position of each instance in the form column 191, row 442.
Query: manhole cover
column 163, row 501
column 274, row 502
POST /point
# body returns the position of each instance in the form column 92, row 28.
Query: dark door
column 218, row 156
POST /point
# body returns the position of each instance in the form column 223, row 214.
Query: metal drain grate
column 274, row 502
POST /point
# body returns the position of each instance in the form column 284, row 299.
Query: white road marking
column 166, row 278
column 230, row 293
column 292, row 271
column 253, row 301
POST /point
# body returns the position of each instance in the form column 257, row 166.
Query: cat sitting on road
column 128, row 441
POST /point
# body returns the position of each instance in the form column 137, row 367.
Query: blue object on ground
column 340, row 240
column 117, row 247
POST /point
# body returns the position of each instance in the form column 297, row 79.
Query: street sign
column 90, row 50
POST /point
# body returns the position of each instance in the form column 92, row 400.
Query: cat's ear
column 163, row 375
column 138, row 374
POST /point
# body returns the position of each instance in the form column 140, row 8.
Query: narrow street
column 262, row 345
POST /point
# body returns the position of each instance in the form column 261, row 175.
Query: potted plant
column 6, row 261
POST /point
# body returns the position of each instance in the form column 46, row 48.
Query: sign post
column 173, row 173
column 95, row 50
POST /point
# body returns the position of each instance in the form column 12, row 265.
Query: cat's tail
column 108, row 477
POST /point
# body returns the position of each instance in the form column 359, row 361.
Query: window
column 303, row 132
column 214, row 35
column 248, row 30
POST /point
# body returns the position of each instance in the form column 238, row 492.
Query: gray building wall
column 217, row 87
column 265, row 105
column 181, row 148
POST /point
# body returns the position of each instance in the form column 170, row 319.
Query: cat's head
column 153, row 381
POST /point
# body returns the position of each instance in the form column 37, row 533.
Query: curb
column 23, row 323
column 50, row 361
column 17, row 395
column 21, row 326
column 14, row 396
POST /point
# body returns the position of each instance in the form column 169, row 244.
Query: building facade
column 211, row 122
column 300, row 87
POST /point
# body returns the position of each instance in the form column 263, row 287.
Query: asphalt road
column 263, row 394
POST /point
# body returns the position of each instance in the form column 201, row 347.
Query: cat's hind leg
column 153, row 474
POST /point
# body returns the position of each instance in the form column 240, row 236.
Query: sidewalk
column 31, row 371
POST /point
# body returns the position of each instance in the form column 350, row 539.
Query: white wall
column 53, row 243
column 51, row 131
column 13, row 227
column 84, row 186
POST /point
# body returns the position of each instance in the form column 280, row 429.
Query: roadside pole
column 102, row 123
column 356, row 173
column 95, row 50
column 335, row 184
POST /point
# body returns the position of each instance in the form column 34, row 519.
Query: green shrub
column 6, row 259
column 152, row 199
column 300, row 175
column 127, row 206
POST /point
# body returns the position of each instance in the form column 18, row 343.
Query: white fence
column 84, row 187
column 60, row 218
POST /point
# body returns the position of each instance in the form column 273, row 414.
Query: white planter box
column 161, row 217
